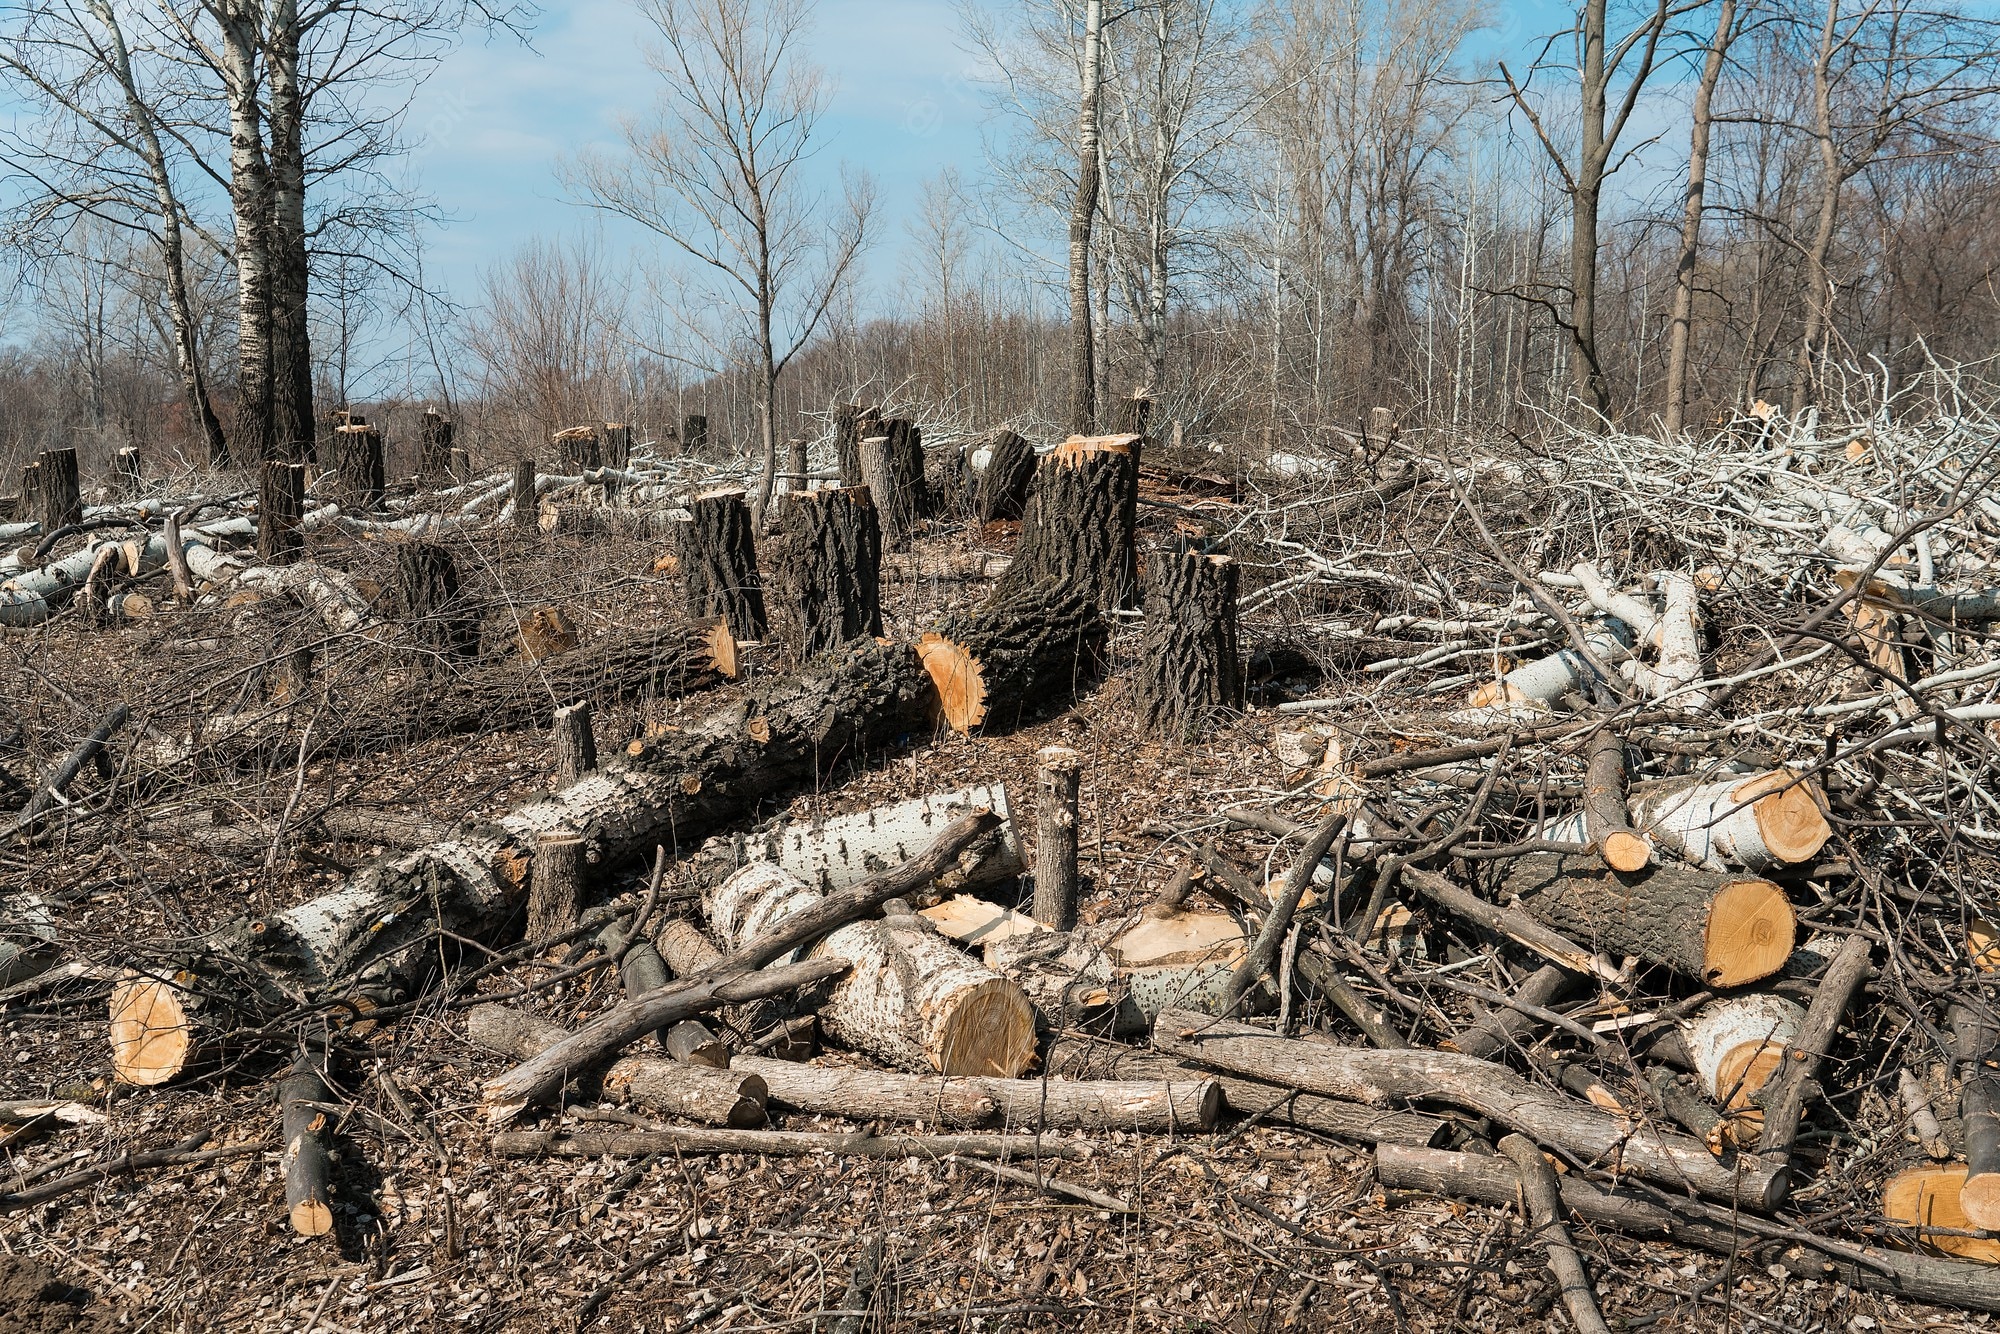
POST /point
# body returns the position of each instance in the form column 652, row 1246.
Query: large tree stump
column 852, row 424
column 437, row 618
column 1723, row 930
column 556, row 897
column 833, row 567
column 60, row 492
column 718, row 561
column 434, row 436
column 577, row 449
column 694, row 434
column 1004, row 481
column 1027, row 649
column 617, row 448
column 357, row 464
column 1190, row 670
column 1079, row 521
column 281, row 504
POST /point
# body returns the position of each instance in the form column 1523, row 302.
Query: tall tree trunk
column 1684, row 269
column 1083, row 210
column 292, row 423
column 249, row 201
column 1584, row 201
column 1816, row 278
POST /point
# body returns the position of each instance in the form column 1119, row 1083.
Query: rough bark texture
column 852, row 424
column 577, row 448
column 1503, row 1028
column 435, row 617
column 556, row 885
column 718, row 560
column 281, row 504
column 357, row 464
column 575, row 743
column 1723, row 930
column 1078, row 525
column 1030, row 649
column 617, row 449
column 522, row 495
column 60, row 492
column 1058, row 771
column 895, row 501
column 1190, row 670
column 307, row 1133
column 832, row 568
column 434, row 437
column 1130, row 417
column 127, row 474
column 1004, row 481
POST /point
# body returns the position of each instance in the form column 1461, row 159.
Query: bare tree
column 1082, row 213
column 720, row 172
column 550, row 338
column 1697, row 186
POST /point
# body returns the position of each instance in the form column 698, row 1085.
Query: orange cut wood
column 151, row 1034
column 960, row 679
column 1928, row 1197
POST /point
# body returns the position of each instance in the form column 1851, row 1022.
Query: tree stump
column 1130, row 418
column 798, row 467
column 30, row 507
column 526, row 511
column 617, row 450
column 1025, row 650
column 852, row 424
column 434, row 435
column 127, row 477
column 555, row 885
column 1058, row 773
column 357, row 465
column 60, row 493
column 575, row 744
column 694, row 434
column 281, row 504
column 427, row 589
column 460, row 467
column 718, row 560
column 1004, row 481
column 833, row 567
column 907, row 450
column 1190, row 671
column 577, row 449
column 1079, row 521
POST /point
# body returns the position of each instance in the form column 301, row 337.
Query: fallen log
column 1756, row 822
column 1031, row 646
column 774, row 1144
column 301, row 1096
column 1579, row 1130
column 1541, row 1197
column 1504, row 1027
column 1737, row 1044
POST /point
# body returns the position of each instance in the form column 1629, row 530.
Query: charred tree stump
column 522, row 497
column 1027, row 649
column 127, row 476
column 576, row 747
column 427, row 592
column 617, row 451
column 1723, row 930
column 60, row 493
column 434, row 436
column 694, row 434
column 1130, row 418
column 301, row 1096
column 281, row 504
column 555, row 896
column 1058, row 772
column 1079, row 521
column 1190, row 670
column 1004, row 481
column 357, row 464
column 718, row 560
column 577, row 449
column 833, row 568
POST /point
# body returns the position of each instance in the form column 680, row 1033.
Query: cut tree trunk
column 617, row 444
column 1002, row 492
column 302, row 1095
column 556, row 895
column 1190, row 669
column 577, row 449
column 1975, row 1037
column 833, row 567
column 718, row 562
column 522, row 496
column 1058, row 772
column 583, row 519
column 357, row 464
column 1736, row 1045
column 1078, row 525
column 281, row 505
column 852, row 424
column 1607, row 825
column 1029, row 649
column 911, row 999
column 1723, row 930
column 575, row 743
column 437, row 619
column 1757, row 822
column 894, row 501
column 1129, row 418
column 434, row 436
column 776, row 1144
column 128, row 475
column 59, row 490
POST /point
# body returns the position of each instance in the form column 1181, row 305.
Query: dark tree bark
column 357, row 462
column 1079, row 521
column 1190, row 670
column 575, row 743
column 907, row 451
column 281, row 504
column 308, row 1131
column 523, row 496
column 555, row 898
column 577, row 448
column 833, row 567
column 617, row 444
column 1027, row 650
column 852, row 424
column 1003, row 485
column 718, row 558
column 439, row 620
column 60, row 492
column 127, row 474
column 434, row 436
column 694, row 434
column 1058, row 770
column 1132, row 414
column 894, row 502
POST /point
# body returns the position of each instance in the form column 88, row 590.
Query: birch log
column 1756, row 822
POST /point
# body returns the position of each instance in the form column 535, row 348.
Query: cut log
column 59, row 491
column 587, row 519
column 776, row 1144
column 577, row 449
column 28, row 941
column 910, row 1000
column 281, row 506
column 1929, row 1200
column 1675, row 1096
column 866, row 1095
column 434, row 436
column 1078, row 525
column 1585, row 1132
column 640, row 970
column 357, row 466
column 1756, row 823
column 1058, row 771
column 1521, row 927
column 437, row 619
column 1004, row 477
column 1027, row 650
column 1549, row 678
column 128, row 474
column 1736, row 1045
column 692, row 1041
column 1541, row 1194
column 1190, row 671
column 521, row 495
column 556, row 897
column 1129, row 417
column 302, row 1095
column 1726, row 931
column 975, row 923
column 1171, row 957
column 1979, row 1120
column 833, row 568
column 718, row 561
column 1607, row 826
column 575, row 743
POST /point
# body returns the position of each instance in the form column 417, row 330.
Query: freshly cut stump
column 1027, row 649
column 1190, row 668
column 1725, row 931
column 1766, row 820
column 1078, row 524
column 434, row 437
column 577, row 448
column 718, row 561
column 833, row 567
column 911, row 999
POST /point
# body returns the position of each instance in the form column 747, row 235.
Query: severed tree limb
column 776, row 1144
column 66, row 772
column 1784, row 1097
column 1263, row 952
column 1542, row 1196
column 1051, row 1186
column 185, row 1152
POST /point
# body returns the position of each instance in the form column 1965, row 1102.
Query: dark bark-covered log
column 833, row 565
column 1078, row 525
column 1579, row 1129
column 522, row 496
column 358, row 466
column 617, row 449
column 1607, row 826
column 798, row 466
column 852, row 424
column 1511, row 922
column 1190, row 670
column 1541, row 1194
column 434, row 436
column 694, row 434
column 577, row 449
column 906, row 441
column 281, row 504
column 575, row 743
column 1725, row 930
column 1002, row 492
column 436, row 618
column 1676, row 1096
column 1975, row 1036
column 556, row 885
column 687, row 952
column 895, row 504
column 59, row 490
column 1503, row 1028
column 947, row 481
column 775, row 1144
column 1058, row 772
column 694, row 1042
column 302, row 1095
column 128, row 475
column 1030, row 648
column 640, row 970
column 718, row 560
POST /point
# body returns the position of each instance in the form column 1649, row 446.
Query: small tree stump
column 434, row 434
column 1190, row 670
column 575, row 744
column 1130, row 418
column 617, row 449
column 29, row 509
column 427, row 588
column 718, row 559
column 1078, row 524
column 1058, row 773
column 461, row 464
column 798, row 468
column 357, row 465
column 694, row 434
column 281, row 504
column 577, row 449
column 555, row 893
column 526, row 511
column 127, row 478
column 60, row 493
column 852, row 424
column 833, row 568
column 1004, row 482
